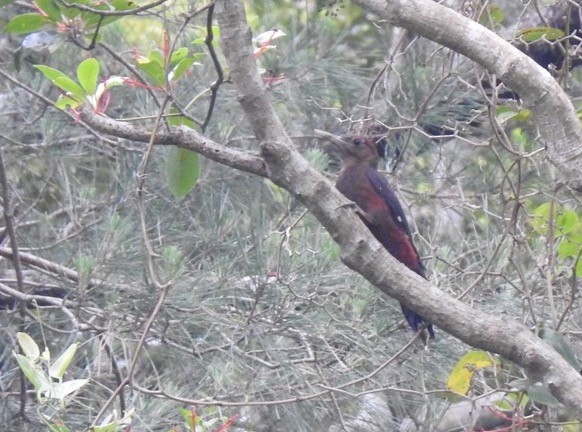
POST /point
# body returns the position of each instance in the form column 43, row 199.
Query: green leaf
column 539, row 393
column 64, row 101
column 568, row 248
column 88, row 74
column 537, row 33
column 63, row 82
column 189, row 416
column 541, row 219
column 178, row 55
column 573, row 426
column 543, row 210
column 25, row 23
column 59, row 366
column 567, row 221
column 215, row 32
column 71, row 87
column 198, row 56
column 511, row 401
column 157, row 56
column 64, row 389
column 177, row 120
column 462, row 374
column 50, row 72
column 200, row 32
column 280, row 195
column 505, row 114
column 521, row 138
column 180, row 68
column 38, row 379
column 557, row 341
column 50, row 8
column 91, row 19
column 153, row 70
column 496, row 13
column 71, row 12
column 58, row 427
column 120, row 5
column 182, row 171
column 28, row 345
column 111, row 427
column 523, row 115
column 492, row 14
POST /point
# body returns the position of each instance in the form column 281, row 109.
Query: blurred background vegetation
column 260, row 310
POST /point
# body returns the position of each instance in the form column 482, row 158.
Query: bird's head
column 355, row 147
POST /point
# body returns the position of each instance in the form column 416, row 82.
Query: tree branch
column 360, row 250
column 560, row 134
column 181, row 137
column 283, row 164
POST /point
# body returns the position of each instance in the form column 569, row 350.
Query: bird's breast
column 381, row 221
column 358, row 189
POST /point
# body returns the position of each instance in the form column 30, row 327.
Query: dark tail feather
column 415, row 321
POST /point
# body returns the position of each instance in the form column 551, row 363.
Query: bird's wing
column 385, row 191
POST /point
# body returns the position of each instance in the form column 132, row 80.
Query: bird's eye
column 358, row 142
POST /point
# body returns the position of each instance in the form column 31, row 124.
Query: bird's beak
column 337, row 141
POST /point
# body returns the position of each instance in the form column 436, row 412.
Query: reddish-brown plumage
column 360, row 182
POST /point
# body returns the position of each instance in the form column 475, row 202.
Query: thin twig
column 220, row 78
column 163, row 288
column 325, row 391
column 105, row 13
column 136, row 72
column 9, row 220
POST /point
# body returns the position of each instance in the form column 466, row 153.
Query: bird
column 360, row 182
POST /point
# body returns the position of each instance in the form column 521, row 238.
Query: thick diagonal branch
column 181, row 137
column 360, row 251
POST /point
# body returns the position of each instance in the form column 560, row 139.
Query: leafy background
column 260, row 309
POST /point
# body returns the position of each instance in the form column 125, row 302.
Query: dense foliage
column 206, row 287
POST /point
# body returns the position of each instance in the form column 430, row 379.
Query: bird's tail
column 416, row 321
